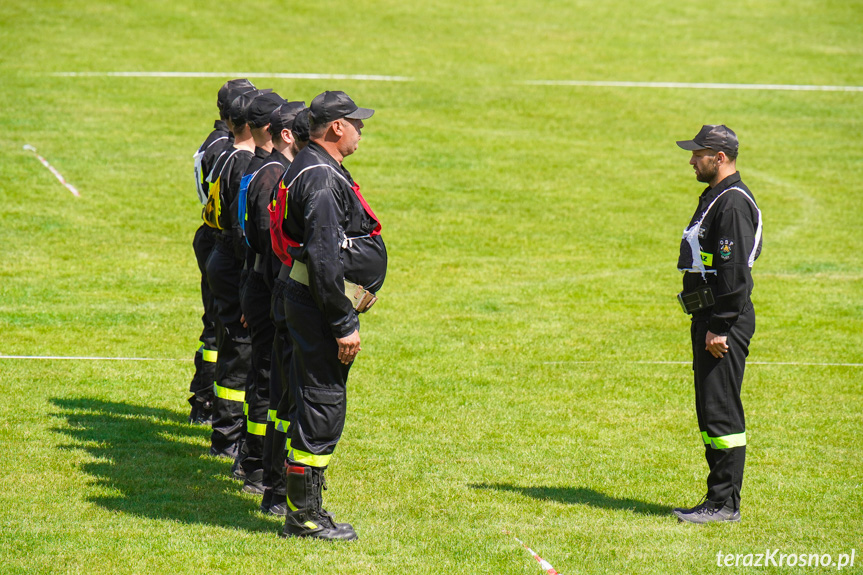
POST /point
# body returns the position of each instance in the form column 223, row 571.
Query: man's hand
column 349, row 347
column 716, row 344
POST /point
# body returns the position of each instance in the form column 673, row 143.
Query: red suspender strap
column 356, row 189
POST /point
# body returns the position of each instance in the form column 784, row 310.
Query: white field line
column 793, row 363
column 51, row 168
column 89, row 358
column 695, row 86
column 276, row 75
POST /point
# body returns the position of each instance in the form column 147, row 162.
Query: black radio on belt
column 696, row 300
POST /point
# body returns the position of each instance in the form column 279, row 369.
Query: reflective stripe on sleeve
column 211, row 355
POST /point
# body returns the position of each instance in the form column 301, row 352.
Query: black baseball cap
column 283, row 117
column 228, row 89
column 301, row 126
column 238, row 110
column 719, row 138
column 262, row 107
column 331, row 106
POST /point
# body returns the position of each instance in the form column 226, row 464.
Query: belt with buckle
column 361, row 299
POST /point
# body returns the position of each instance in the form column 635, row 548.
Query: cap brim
column 690, row 145
column 360, row 114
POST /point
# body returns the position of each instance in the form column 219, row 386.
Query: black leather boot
column 306, row 517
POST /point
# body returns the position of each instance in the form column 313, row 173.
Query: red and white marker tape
column 57, row 174
column 545, row 565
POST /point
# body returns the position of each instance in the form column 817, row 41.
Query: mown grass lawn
column 525, row 371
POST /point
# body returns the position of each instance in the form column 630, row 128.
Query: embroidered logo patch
column 725, row 249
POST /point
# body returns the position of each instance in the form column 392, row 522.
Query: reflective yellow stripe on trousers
column 725, row 441
column 309, row 459
column 238, row 395
column 281, row 424
column 254, row 428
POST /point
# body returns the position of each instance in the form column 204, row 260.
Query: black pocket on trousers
column 324, row 417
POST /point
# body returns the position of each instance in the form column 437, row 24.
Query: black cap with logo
column 331, row 106
column 719, row 138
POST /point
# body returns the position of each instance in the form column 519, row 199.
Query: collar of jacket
column 323, row 156
column 709, row 193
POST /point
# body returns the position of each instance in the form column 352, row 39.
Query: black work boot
column 201, row 412
column 708, row 512
column 307, row 518
column 274, row 504
column 254, row 482
column 237, row 470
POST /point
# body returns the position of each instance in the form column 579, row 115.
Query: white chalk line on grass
column 269, row 75
column 792, row 363
column 695, row 86
column 381, row 78
column 90, row 358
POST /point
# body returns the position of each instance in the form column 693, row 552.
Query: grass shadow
column 580, row 496
column 150, row 462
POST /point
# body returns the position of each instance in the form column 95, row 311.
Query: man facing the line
column 716, row 255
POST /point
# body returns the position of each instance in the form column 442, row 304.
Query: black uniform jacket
column 231, row 168
column 727, row 236
column 258, row 199
column 323, row 211
column 261, row 157
column 219, row 140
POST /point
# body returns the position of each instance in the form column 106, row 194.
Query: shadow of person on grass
column 150, row 462
column 579, row 495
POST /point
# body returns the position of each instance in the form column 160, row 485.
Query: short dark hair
column 317, row 131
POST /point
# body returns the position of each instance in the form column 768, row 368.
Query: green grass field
column 525, row 368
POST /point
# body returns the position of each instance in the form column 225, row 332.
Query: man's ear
column 338, row 127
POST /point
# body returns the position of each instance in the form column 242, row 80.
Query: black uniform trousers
column 224, row 273
column 317, row 380
column 255, row 301
column 205, row 358
column 281, row 403
column 717, row 403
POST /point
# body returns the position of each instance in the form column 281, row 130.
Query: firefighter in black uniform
column 255, row 303
column 339, row 261
column 285, row 148
column 224, row 271
column 205, row 238
column 716, row 255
